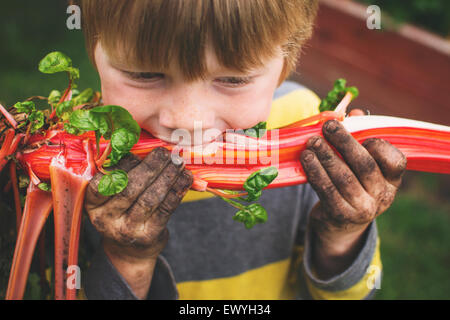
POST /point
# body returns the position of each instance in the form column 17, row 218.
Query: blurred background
column 401, row 70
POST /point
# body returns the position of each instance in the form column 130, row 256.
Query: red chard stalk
column 62, row 147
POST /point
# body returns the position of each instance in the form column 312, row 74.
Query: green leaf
column 37, row 120
column 257, row 181
column 257, row 131
column 64, row 107
column 44, row 186
column 87, row 121
column 74, row 74
column 26, row 106
column 70, row 129
column 251, row 215
column 75, row 92
column 58, row 62
column 339, row 84
column 114, row 158
column 54, row 97
column 250, row 221
column 354, row 91
column 55, row 62
column 120, row 118
column 113, row 183
column 82, row 97
column 24, row 181
column 336, row 94
column 258, row 212
column 121, row 128
column 123, row 140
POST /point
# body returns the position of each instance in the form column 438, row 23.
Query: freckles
column 248, row 113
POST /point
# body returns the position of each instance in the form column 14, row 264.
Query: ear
column 93, row 53
column 284, row 72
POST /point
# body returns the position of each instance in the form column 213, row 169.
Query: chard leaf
column 336, row 94
column 58, row 62
column 64, row 107
column 44, row 186
column 120, row 118
column 54, row 97
column 26, row 106
column 114, row 182
column 82, row 97
column 88, row 121
column 257, row 181
column 123, row 130
column 123, row 140
column 36, row 119
column 257, row 131
column 70, row 129
column 251, row 215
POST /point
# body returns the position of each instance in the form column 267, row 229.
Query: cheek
column 251, row 108
column 132, row 99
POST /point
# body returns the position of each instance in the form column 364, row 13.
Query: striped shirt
column 210, row 256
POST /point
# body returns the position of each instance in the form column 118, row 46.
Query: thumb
column 356, row 112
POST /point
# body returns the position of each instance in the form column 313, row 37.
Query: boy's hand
column 352, row 191
column 133, row 222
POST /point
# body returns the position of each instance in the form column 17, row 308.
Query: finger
column 154, row 195
column 356, row 112
column 139, row 178
column 356, row 157
column 331, row 199
column 390, row 160
column 95, row 198
column 340, row 174
column 173, row 198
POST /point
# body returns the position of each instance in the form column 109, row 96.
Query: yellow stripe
column 360, row 290
column 294, row 106
column 267, row 282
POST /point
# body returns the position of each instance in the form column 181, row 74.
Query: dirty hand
column 352, row 191
column 135, row 219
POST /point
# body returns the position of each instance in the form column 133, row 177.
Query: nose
column 185, row 107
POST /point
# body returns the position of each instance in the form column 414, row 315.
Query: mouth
column 182, row 142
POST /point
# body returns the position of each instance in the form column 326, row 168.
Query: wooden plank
column 395, row 74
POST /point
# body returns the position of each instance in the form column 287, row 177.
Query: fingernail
column 313, row 142
column 308, row 156
column 317, row 143
column 368, row 142
column 331, row 126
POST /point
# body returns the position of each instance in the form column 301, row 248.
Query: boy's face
column 162, row 101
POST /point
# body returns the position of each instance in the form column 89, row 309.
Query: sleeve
column 361, row 279
column 103, row 282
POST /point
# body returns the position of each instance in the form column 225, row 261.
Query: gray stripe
column 206, row 243
column 102, row 281
column 163, row 286
column 285, row 88
column 353, row 274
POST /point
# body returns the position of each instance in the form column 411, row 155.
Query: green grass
column 415, row 249
column 29, row 30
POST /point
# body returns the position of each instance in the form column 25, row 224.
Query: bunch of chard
column 60, row 148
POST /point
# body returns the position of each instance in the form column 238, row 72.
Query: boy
column 171, row 63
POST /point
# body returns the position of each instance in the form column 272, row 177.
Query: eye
column 234, row 81
column 144, row 76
